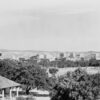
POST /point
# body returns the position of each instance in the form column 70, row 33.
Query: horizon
column 31, row 50
column 50, row 25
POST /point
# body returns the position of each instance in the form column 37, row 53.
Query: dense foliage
column 62, row 63
column 53, row 71
column 29, row 74
column 77, row 85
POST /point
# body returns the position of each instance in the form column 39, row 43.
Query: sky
column 50, row 25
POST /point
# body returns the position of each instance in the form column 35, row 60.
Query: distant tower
column 0, row 54
column 71, row 55
column 45, row 56
column 61, row 55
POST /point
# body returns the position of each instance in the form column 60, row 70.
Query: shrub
column 20, row 98
column 30, row 98
column 27, row 98
column 53, row 70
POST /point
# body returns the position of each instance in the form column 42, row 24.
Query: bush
column 53, row 70
column 27, row 98
column 30, row 98
column 20, row 98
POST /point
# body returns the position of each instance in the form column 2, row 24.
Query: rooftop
column 6, row 83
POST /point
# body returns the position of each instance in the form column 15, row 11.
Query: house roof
column 6, row 83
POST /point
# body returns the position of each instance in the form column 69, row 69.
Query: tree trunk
column 27, row 91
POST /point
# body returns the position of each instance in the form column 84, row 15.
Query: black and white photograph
column 49, row 49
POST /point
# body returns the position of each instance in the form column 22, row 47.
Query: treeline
column 61, row 62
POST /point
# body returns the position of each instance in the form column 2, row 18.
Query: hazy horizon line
column 48, row 50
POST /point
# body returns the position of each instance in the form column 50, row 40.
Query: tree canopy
column 30, row 75
column 76, row 85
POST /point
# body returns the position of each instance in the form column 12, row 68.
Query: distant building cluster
column 74, row 56
column 82, row 55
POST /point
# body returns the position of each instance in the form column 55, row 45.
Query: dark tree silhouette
column 77, row 85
